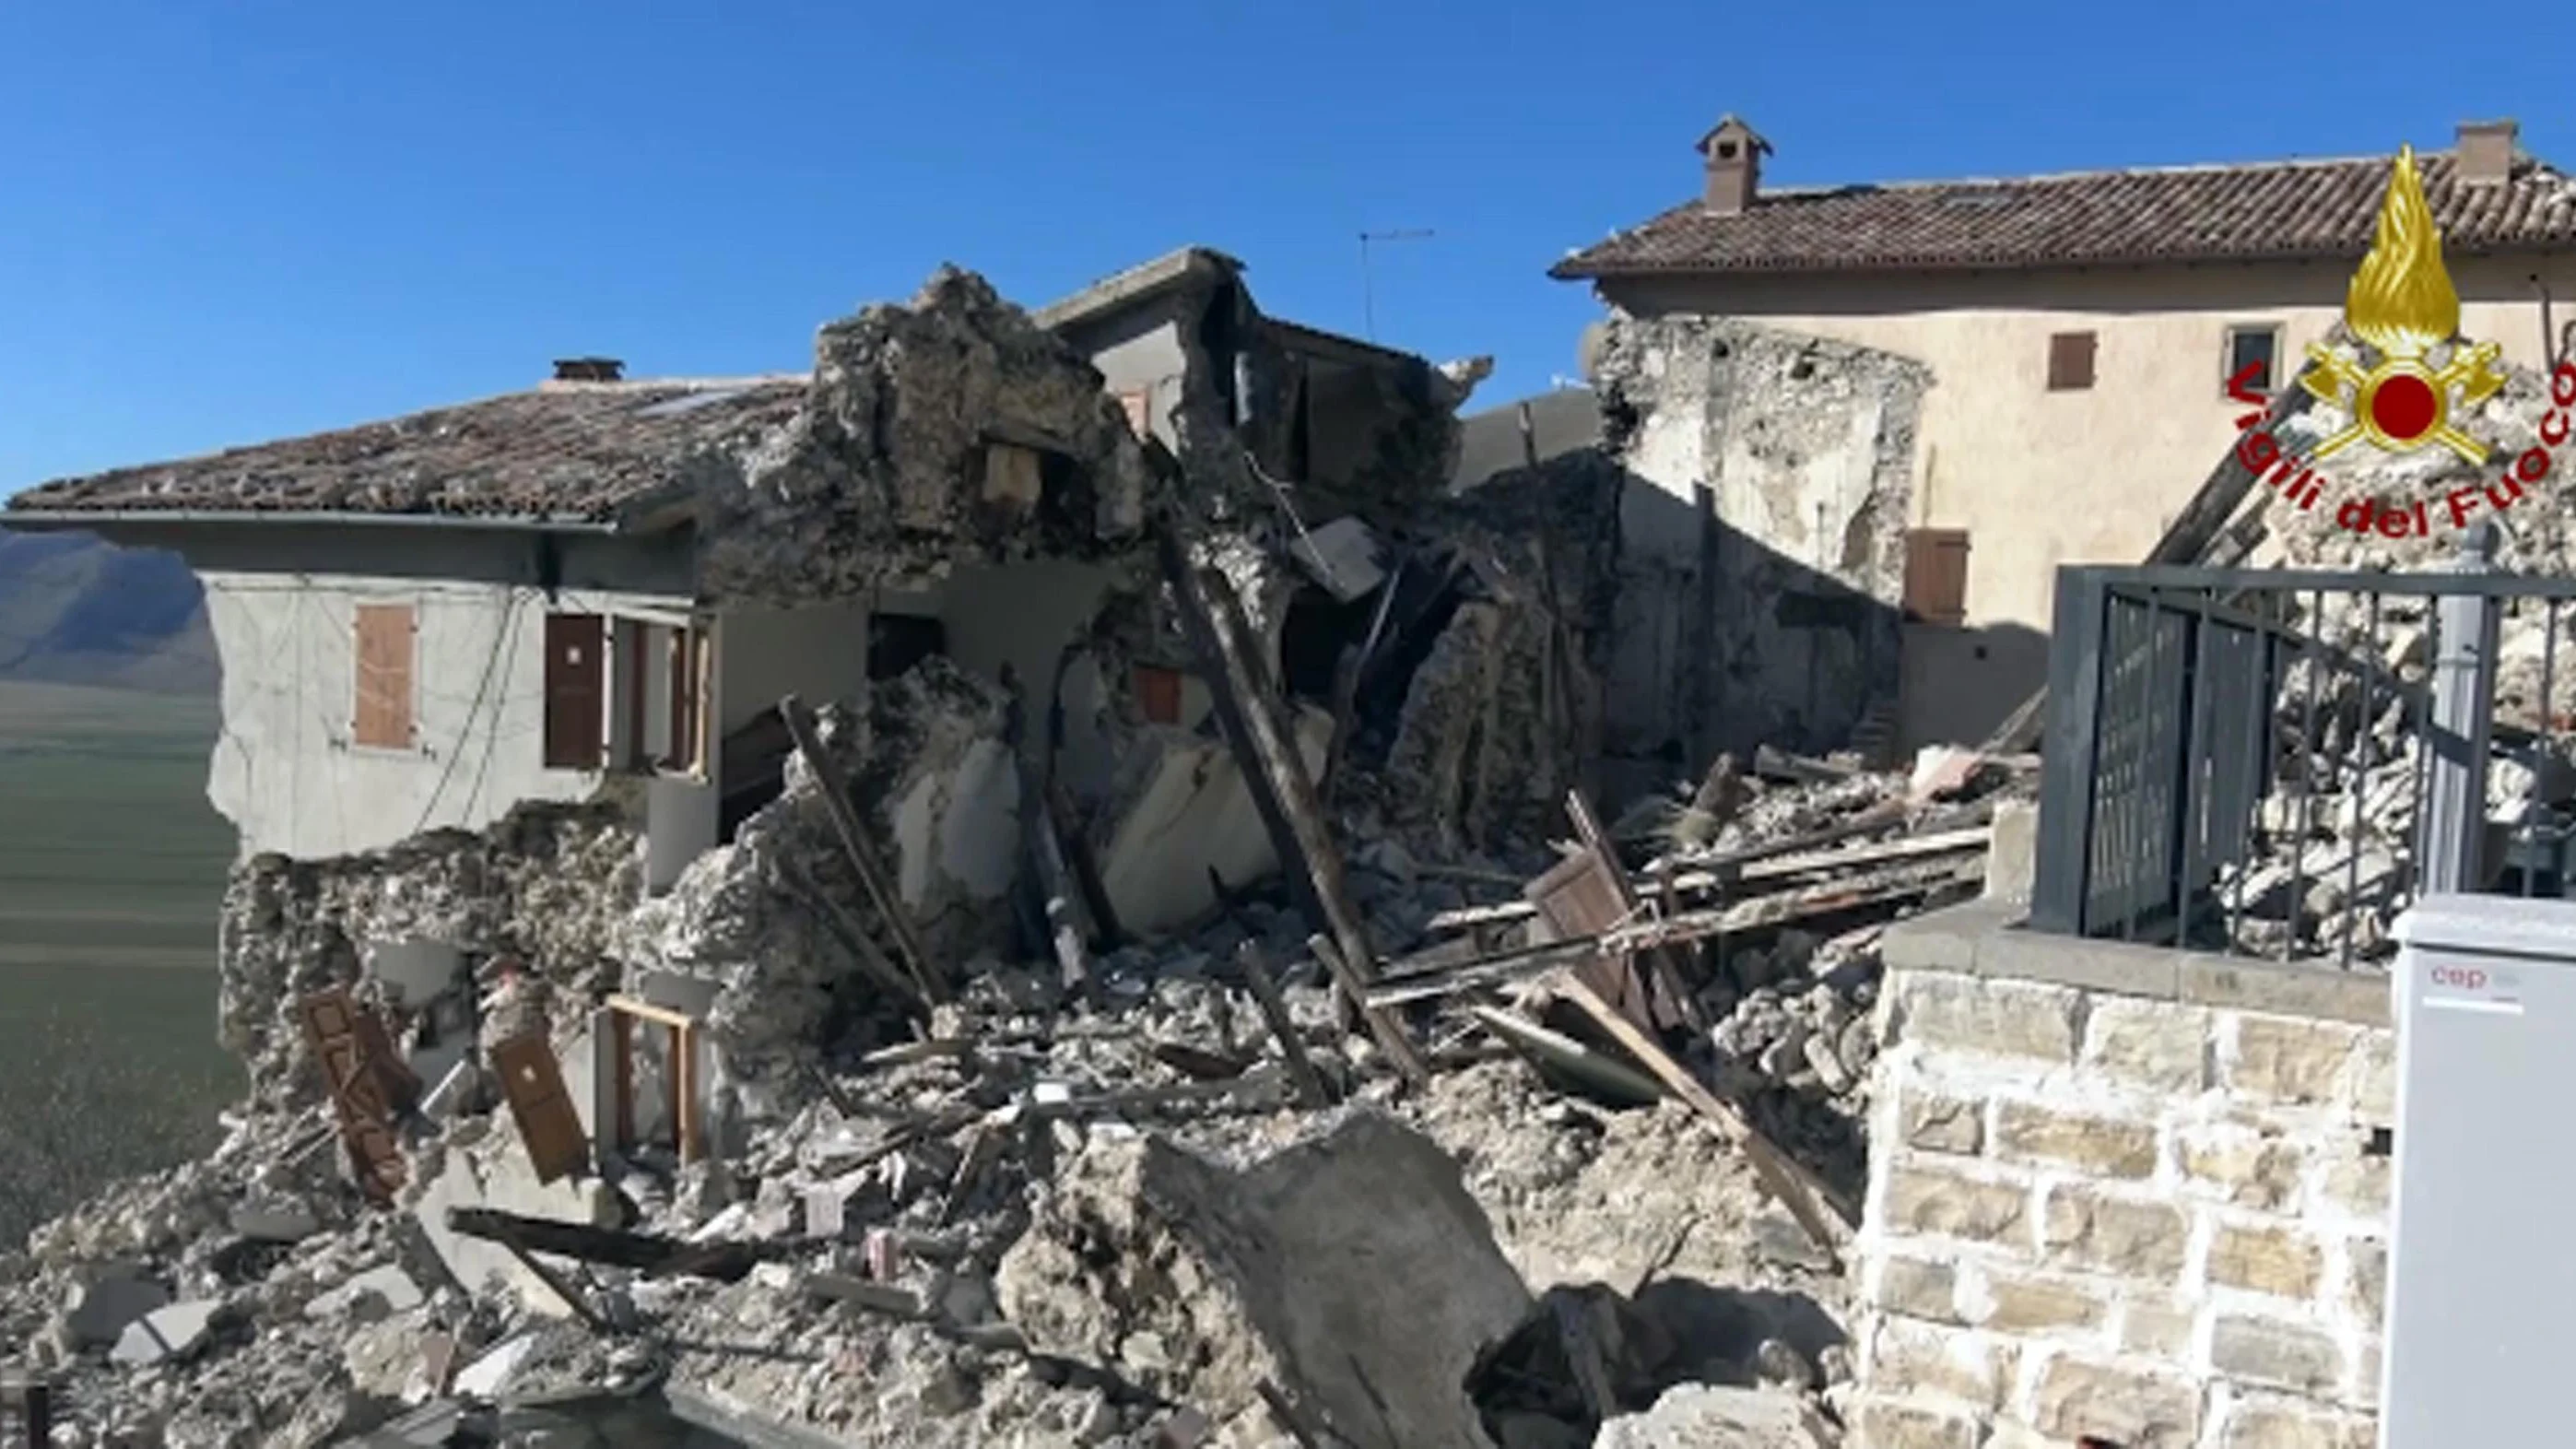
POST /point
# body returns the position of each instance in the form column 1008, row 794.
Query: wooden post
column 872, row 876
column 1781, row 1176
column 1213, row 667
column 1274, row 1013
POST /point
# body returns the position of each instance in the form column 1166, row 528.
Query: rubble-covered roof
column 2280, row 209
column 560, row 452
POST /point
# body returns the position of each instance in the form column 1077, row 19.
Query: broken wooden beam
column 1912, row 847
column 1436, row 973
column 1666, row 1000
column 1283, row 1027
column 852, row 934
column 835, row 788
column 641, row 1252
column 1808, row 1201
column 1275, row 754
column 1228, row 706
column 1382, row 1023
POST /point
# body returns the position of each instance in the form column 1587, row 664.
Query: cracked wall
column 1763, row 535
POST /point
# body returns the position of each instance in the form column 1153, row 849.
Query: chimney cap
column 589, row 369
column 1732, row 127
column 2505, row 127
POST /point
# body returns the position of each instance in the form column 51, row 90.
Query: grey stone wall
column 2122, row 1192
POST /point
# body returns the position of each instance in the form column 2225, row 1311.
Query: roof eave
column 41, row 519
column 1578, row 270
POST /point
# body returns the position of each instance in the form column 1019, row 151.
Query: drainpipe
column 2548, row 331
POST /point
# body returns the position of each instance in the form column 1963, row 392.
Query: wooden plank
column 1436, row 973
column 1382, row 1025
column 532, row 1082
column 1914, row 847
column 853, row 933
column 1664, row 1001
column 1780, row 1175
column 879, row 885
column 1283, row 1028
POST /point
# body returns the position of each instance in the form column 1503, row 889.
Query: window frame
column 2092, row 339
column 2227, row 354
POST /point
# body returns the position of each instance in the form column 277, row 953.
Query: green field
column 111, row 867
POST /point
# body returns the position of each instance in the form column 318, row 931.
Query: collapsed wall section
column 1763, row 548
column 2155, row 1216
column 547, row 883
column 951, row 430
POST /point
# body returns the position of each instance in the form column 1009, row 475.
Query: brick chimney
column 2485, row 150
column 588, row 369
column 1733, row 153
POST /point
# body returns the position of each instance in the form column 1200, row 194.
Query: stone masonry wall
column 2122, row 1192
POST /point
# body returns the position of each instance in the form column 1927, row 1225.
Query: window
column 576, row 690
column 663, row 686
column 1158, row 693
column 2070, row 361
column 1936, row 575
column 2257, row 345
column 382, row 716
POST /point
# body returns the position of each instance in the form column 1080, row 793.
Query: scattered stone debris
column 872, row 1129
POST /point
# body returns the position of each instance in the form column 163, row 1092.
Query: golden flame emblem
column 2403, row 306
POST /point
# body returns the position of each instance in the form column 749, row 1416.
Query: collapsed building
column 645, row 784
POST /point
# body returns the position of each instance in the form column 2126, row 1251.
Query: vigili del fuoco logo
column 2406, row 386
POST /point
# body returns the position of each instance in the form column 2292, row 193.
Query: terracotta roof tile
column 2206, row 213
column 560, row 452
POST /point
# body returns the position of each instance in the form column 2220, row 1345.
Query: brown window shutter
column 1158, row 693
column 576, row 690
column 688, row 700
column 1936, row 575
column 382, row 718
column 2070, row 361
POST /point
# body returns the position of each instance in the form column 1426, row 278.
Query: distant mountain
column 75, row 609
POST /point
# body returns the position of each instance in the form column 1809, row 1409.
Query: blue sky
column 221, row 223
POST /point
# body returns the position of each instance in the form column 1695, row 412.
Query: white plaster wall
column 2040, row 478
column 1149, row 355
column 819, row 652
column 285, row 769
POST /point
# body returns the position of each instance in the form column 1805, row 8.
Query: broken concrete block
column 502, row 1180
column 1704, row 1416
column 104, row 1309
column 2012, row 851
column 171, row 1332
column 372, row 1295
column 1305, row 1268
column 1942, row 770
column 488, row 1375
column 285, row 1223
column 1342, row 556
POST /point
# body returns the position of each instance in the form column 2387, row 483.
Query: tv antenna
column 1368, row 292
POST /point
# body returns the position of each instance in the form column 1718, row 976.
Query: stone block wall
column 2121, row 1192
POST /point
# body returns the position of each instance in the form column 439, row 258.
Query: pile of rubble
column 1177, row 1201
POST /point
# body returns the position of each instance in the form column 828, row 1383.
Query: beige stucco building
column 2079, row 330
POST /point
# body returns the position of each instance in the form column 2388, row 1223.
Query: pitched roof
column 588, row 452
column 2282, row 209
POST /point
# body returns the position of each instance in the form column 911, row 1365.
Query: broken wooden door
column 338, row 1031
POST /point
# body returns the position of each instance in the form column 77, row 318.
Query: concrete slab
column 108, row 1306
column 488, row 1375
column 499, row 1177
column 414, row 971
column 1343, row 556
column 374, row 1294
column 166, row 1333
